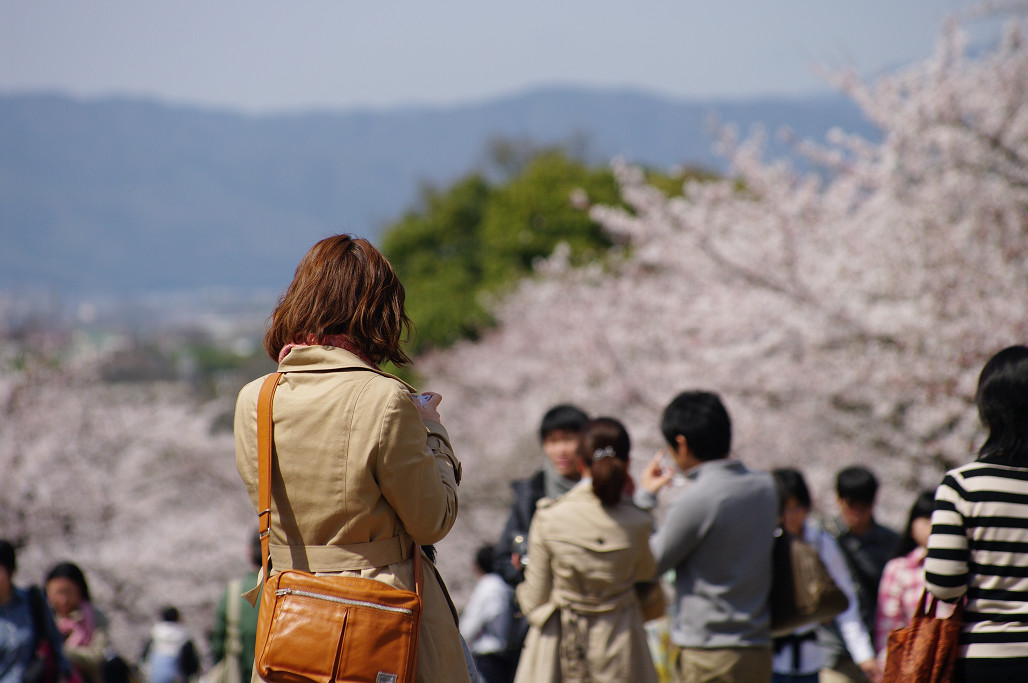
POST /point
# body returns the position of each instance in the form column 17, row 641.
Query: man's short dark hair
column 566, row 417
column 170, row 614
column 856, row 485
column 8, row 556
column 484, row 559
column 701, row 418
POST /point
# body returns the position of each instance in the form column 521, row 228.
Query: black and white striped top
column 979, row 545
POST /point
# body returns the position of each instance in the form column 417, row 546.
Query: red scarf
column 340, row 341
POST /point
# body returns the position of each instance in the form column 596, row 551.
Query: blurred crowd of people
column 579, row 544
column 54, row 633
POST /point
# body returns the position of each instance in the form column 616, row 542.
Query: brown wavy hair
column 343, row 285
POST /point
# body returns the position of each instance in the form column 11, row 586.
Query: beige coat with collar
column 357, row 475
column 579, row 592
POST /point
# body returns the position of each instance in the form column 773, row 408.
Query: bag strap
column 265, row 425
column 831, row 525
column 265, row 430
column 37, row 605
column 932, row 602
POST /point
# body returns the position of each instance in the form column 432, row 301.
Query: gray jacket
column 717, row 536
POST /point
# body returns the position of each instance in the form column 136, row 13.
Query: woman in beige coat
column 364, row 474
column 586, row 552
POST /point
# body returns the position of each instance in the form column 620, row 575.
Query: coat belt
column 337, row 558
column 334, row 558
column 587, row 605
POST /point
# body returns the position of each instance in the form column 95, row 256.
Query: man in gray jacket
column 717, row 535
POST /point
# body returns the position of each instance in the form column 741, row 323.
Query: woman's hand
column 872, row 670
column 429, row 409
column 656, row 476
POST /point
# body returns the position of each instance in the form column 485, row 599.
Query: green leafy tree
column 438, row 254
column 472, row 242
column 478, row 237
column 529, row 215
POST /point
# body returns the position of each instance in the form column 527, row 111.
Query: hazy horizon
column 260, row 56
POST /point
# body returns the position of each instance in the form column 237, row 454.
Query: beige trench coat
column 357, row 475
column 579, row 592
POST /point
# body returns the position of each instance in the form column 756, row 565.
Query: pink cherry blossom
column 842, row 313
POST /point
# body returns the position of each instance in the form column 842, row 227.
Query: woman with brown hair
column 364, row 473
column 587, row 551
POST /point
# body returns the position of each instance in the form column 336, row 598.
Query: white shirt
column 485, row 621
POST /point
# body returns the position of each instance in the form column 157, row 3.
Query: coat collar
column 582, row 490
column 707, row 467
column 326, row 358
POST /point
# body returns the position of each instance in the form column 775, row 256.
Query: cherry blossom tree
column 843, row 312
column 129, row 482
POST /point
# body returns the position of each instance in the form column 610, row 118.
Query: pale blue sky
column 274, row 55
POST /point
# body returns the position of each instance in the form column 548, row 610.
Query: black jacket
column 527, row 493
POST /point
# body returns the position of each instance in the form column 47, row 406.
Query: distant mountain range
column 119, row 195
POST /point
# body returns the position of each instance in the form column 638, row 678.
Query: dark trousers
column 494, row 668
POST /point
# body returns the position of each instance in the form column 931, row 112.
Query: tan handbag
column 328, row 629
column 802, row 591
column 926, row 650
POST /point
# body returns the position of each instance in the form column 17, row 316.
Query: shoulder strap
column 264, row 436
column 37, row 605
column 419, row 576
column 831, row 525
column 265, row 431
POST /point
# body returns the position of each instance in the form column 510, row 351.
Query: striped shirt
column 979, row 546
